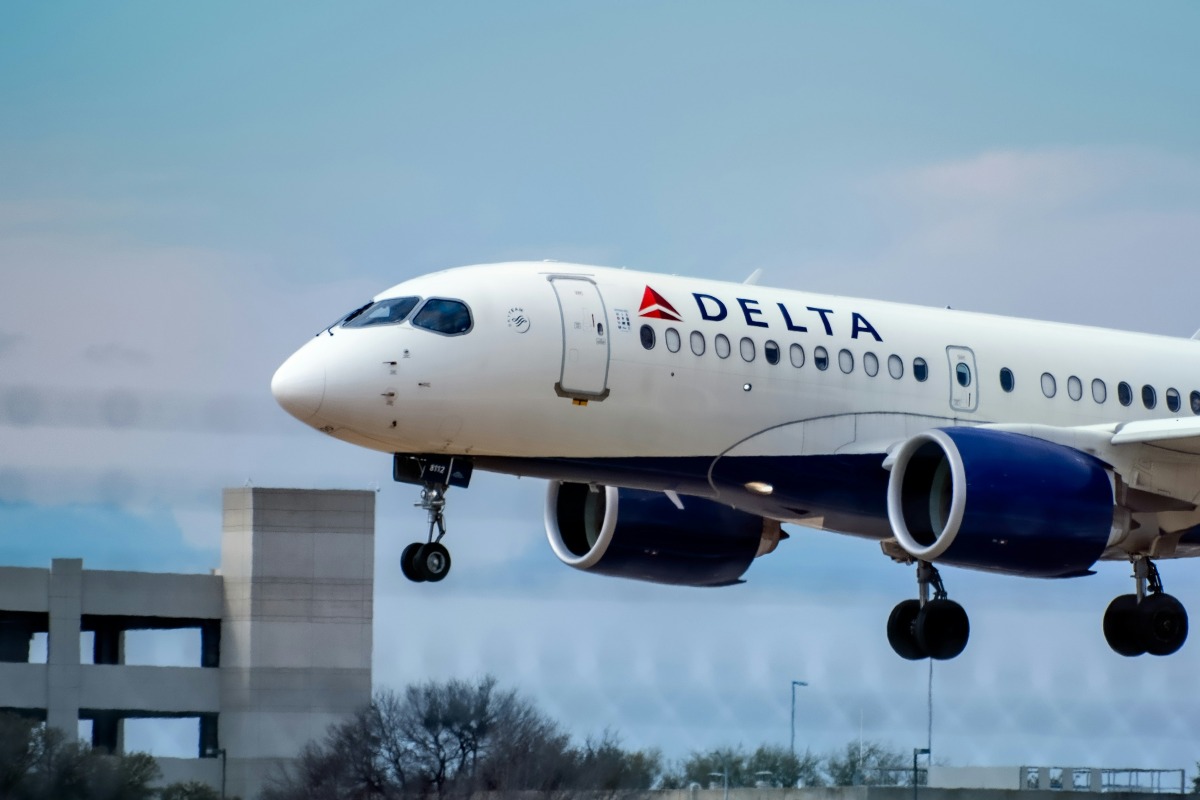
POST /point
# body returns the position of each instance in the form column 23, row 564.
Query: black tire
column 942, row 629
column 408, row 563
column 1164, row 624
column 1122, row 626
column 433, row 561
column 901, row 633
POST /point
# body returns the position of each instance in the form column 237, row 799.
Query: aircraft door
column 964, row 382
column 584, row 374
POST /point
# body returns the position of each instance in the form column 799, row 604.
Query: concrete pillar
column 63, row 668
column 298, row 568
column 108, row 732
column 210, row 643
column 108, row 644
column 209, row 739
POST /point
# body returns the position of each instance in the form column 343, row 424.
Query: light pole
column 917, row 751
column 221, row 752
column 794, row 685
column 218, row 752
column 725, row 775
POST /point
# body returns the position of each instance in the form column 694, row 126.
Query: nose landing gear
column 430, row 560
column 935, row 628
column 1154, row 623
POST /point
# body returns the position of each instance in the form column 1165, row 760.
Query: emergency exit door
column 964, row 382
column 584, row 374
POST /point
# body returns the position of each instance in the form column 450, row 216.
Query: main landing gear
column 430, row 560
column 1154, row 622
column 928, row 628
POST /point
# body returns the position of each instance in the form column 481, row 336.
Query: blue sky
column 187, row 192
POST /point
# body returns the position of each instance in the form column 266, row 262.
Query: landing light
column 746, row 387
column 760, row 487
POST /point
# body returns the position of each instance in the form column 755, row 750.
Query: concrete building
column 284, row 627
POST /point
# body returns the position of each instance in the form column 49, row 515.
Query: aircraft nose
column 299, row 384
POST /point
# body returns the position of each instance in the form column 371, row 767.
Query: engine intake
column 644, row 536
column 999, row 501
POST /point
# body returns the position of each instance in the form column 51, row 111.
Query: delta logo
column 655, row 306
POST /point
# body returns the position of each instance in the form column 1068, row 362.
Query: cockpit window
column 439, row 315
column 386, row 312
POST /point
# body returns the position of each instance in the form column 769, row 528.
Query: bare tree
column 867, row 764
column 42, row 763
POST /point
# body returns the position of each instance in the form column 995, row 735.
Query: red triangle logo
column 655, row 306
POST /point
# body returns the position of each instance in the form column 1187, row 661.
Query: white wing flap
column 1181, row 434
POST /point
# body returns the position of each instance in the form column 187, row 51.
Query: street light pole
column 794, row 685
column 917, row 751
column 724, row 775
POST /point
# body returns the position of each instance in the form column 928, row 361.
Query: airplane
column 681, row 422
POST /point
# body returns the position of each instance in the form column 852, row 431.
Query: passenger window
column 846, row 361
column 962, row 374
column 871, row 364
column 1149, row 396
column 1124, row 393
column 1074, row 388
column 1049, row 385
column 647, row 334
column 771, row 352
column 821, row 358
column 721, row 345
column 920, row 369
column 449, row 317
column 1007, row 382
column 672, row 340
column 1099, row 391
column 895, row 367
column 1195, row 403
column 697, row 340
column 386, row 312
column 746, row 348
column 1173, row 399
column 796, row 354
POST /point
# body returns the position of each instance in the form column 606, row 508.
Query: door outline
column 577, row 378
column 963, row 398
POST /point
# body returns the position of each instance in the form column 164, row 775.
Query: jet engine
column 1001, row 502
column 645, row 536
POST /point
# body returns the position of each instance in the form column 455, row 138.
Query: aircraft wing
column 1181, row 434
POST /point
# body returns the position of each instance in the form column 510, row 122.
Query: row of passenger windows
column 1125, row 394
column 773, row 354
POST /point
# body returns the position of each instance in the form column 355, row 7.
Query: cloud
column 104, row 534
column 1097, row 236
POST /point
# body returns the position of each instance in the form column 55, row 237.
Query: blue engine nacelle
column 1001, row 502
column 627, row 533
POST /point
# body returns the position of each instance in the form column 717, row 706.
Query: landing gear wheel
column 901, row 633
column 942, row 629
column 1122, row 630
column 433, row 561
column 1149, row 621
column 408, row 563
column 1163, row 622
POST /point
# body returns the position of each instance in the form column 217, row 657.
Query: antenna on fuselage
column 754, row 276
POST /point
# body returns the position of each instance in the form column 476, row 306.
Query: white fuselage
column 492, row 390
